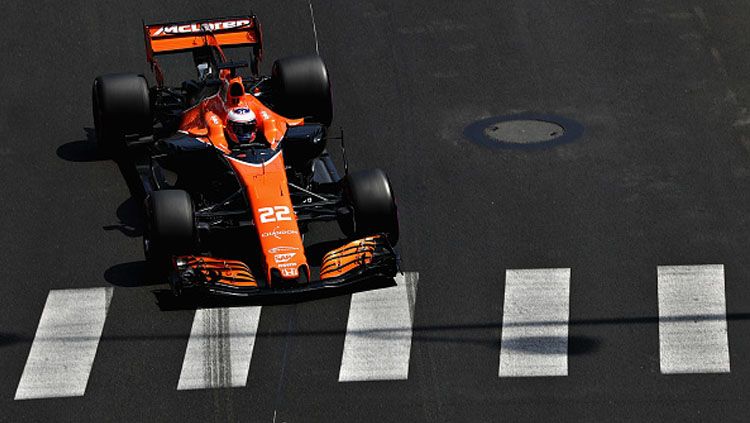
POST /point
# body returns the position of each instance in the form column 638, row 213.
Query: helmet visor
column 244, row 131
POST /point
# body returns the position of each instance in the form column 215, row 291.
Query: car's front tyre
column 170, row 229
column 369, row 195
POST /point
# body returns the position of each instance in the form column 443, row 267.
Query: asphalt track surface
column 660, row 176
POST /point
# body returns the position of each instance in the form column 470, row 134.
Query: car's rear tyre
column 121, row 106
column 303, row 88
column 370, row 197
column 170, row 229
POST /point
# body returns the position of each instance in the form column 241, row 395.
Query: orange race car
column 245, row 155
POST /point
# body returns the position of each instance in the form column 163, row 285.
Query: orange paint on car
column 265, row 184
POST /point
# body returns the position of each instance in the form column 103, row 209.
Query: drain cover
column 523, row 131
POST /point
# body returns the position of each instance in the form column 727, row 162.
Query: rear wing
column 176, row 37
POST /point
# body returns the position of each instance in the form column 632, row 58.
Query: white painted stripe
column 378, row 334
column 534, row 340
column 692, row 319
column 65, row 344
column 220, row 347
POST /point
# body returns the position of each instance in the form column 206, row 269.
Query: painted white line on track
column 220, row 348
column 379, row 331
column 692, row 319
column 534, row 340
column 65, row 344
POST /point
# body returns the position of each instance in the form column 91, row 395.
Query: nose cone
column 273, row 214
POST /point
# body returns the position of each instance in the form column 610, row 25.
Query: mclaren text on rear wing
column 175, row 37
column 180, row 36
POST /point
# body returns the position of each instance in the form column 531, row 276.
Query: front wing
column 355, row 263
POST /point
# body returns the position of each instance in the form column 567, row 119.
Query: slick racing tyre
column 121, row 106
column 170, row 229
column 303, row 88
column 370, row 197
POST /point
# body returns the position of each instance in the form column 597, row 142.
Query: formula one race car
column 241, row 154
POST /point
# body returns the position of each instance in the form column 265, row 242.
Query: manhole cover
column 523, row 131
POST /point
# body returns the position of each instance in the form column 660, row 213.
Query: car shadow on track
column 550, row 345
column 130, row 216
column 129, row 213
column 81, row 151
column 10, row 339
column 129, row 275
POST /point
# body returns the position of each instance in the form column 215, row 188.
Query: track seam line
column 314, row 28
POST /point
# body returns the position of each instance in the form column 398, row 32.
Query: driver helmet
column 241, row 125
